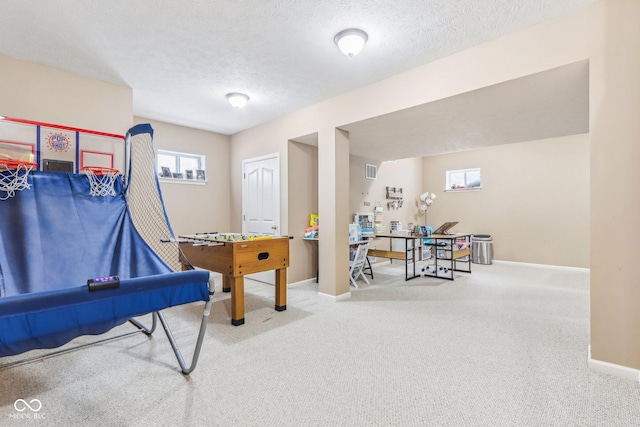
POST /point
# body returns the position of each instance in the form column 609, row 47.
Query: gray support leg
column 196, row 353
column 144, row 329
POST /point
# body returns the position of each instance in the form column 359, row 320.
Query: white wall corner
column 333, row 298
column 613, row 369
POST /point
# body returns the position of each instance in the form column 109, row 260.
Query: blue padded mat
column 53, row 318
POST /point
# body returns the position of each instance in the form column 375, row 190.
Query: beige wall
column 333, row 209
column 531, row 191
column 194, row 208
column 405, row 174
column 303, row 200
column 37, row 92
column 534, row 200
column 551, row 44
column 615, row 205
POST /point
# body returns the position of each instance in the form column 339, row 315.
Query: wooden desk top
column 447, row 236
column 398, row 236
column 418, row 236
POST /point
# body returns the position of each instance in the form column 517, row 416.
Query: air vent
column 371, row 171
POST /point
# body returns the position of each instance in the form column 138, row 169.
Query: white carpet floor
column 503, row 346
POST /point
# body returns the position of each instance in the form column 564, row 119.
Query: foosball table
column 234, row 256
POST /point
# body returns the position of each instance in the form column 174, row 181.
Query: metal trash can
column 481, row 249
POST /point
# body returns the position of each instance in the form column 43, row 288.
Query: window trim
column 177, row 155
column 462, row 189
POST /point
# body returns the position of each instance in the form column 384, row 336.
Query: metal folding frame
column 141, row 329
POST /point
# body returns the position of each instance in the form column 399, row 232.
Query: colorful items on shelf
column 355, row 233
column 311, row 232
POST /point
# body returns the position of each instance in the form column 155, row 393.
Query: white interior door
column 261, row 195
column 261, row 201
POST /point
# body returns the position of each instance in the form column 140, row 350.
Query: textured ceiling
column 544, row 105
column 181, row 58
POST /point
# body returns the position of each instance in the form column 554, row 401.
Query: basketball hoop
column 101, row 180
column 13, row 177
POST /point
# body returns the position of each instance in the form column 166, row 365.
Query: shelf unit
column 446, row 252
column 378, row 222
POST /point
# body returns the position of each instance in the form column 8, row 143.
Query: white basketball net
column 13, row 177
column 101, row 181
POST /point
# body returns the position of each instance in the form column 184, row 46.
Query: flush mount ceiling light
column 237, row 100
column 351, row 41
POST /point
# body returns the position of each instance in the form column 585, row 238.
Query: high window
column 464, row 179
column 181, row 166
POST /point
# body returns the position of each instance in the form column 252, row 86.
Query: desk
column 450, row 249
column 236, row 259
column 409, row 254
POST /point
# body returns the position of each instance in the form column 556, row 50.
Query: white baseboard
column 613, row 369
column 333, row 298
column 555, row 267
column 321, row 296
column 302, row 282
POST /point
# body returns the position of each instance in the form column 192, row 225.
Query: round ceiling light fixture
column 237, row 100
column 351, row 41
